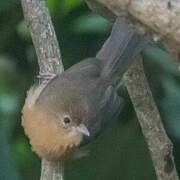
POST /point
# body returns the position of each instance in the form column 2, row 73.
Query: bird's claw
column 46, row 76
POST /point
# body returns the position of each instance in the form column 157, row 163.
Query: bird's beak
column 83, row 129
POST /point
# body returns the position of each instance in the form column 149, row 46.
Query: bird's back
column 78, row 87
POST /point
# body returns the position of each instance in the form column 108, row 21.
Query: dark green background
column 120, row 153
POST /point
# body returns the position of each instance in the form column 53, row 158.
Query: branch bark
column 52, row 170
column 43, row 35
column 49, row 58
column 162, row 17
column 160, row 146
column 151, row 13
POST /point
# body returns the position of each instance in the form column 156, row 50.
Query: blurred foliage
column 120, row 152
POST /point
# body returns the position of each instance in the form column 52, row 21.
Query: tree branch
column 43, row 35
column 52, row 170
column 49, row 58
column 162, row 17
column 160, row 146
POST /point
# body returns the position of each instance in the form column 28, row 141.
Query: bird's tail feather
column 119, row 50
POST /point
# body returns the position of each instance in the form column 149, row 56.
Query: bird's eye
column 67, row 120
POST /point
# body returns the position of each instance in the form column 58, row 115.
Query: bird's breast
column 48, row 139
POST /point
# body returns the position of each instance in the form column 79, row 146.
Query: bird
column 74, row 107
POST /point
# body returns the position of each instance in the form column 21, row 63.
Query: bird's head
column 54, row 134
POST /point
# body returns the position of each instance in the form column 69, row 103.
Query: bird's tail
column 119, row 50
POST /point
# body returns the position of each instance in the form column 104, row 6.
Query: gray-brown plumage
column 82, row 100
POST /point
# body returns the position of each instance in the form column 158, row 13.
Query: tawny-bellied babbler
column 78, row 103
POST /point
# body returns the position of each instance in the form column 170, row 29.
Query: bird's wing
column 109, row 109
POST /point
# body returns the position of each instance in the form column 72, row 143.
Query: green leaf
column 91, row 24
column 161, row 57
column 63, row 6
column 170, row 106
column 71, row 4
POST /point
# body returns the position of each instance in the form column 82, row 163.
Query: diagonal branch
column 49, row 58
column 160, row 146
column 43, row 35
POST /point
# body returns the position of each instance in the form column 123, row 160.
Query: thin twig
column 49, row 58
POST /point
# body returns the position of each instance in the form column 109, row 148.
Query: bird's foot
column 46, row 77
